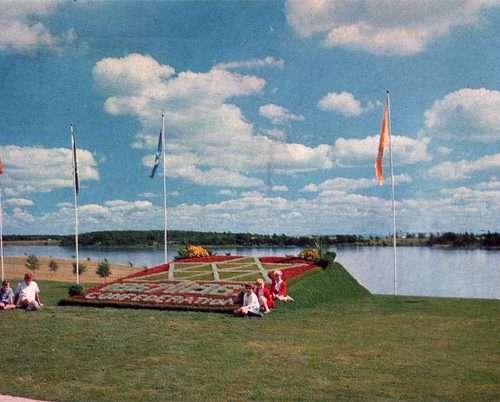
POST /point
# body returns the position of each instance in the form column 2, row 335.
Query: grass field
column 336, row 342
column 15, row 269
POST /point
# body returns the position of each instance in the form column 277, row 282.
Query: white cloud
column 445, row 150
column 148, row 195
column 268, row 61
column 64, row 205
column 278, row 114
column 350, row 185
column 493, row 184
column 275, row 133
column 19, row 202
column 466, row 114
column 22, row 30
column 335, row 211
column 227, row 192
column 457, row 209
column 361, row 152
column 463, row 169
column 344, row 103
column 23, row 217
column 334, row 208
column 116, row 214
column 383, row 26
column 216, row 177
column 279, row 188
column 135, row 73
column 210, row 142
column 38, row 169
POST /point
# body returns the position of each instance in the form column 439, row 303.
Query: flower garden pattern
column 210, row 283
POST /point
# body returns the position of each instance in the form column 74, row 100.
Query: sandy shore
column 15, row 268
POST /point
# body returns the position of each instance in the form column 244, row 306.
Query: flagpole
column 393, row 198
column 73, row 151
column 165, row 238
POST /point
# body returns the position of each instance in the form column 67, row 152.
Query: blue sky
column 273, row 112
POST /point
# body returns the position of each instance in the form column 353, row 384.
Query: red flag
column 383, row 142
column 1, row 166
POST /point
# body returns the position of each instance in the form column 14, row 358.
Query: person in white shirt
column 28, row 294
column 250, row 304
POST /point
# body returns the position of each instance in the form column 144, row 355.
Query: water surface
column 421, row 271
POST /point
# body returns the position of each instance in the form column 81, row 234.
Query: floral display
column 310, row 254
column 212, row 283
column 197, row 252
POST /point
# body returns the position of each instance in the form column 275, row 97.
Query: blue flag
column 75, row 164
column 157, row 156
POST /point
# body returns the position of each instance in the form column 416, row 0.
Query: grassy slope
column 333, row 343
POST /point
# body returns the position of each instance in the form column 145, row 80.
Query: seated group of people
column 26, row 296
column 258, row 300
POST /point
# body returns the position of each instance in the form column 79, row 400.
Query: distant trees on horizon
column 154, row 238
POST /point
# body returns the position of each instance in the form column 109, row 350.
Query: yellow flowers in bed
column 197, row 252
column 310, row 254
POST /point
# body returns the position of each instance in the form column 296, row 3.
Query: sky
column 273, row 112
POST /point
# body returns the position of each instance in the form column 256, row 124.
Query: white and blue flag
column 157, row 156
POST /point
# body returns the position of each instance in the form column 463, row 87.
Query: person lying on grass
column 278, row 288
column 28, row 294
column 6, row 297
column 250, row 304
column 264, row 296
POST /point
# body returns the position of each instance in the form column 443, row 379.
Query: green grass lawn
column 335, row 342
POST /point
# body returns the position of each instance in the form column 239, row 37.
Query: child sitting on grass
column 250, row 304
column 264, row 296
column 6, row 297
column 278, row 288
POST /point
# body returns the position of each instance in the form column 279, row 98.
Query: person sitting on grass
column 6, row 297
column 264, row 296
column 278, row 288
column 28, row 294
column 250, row 304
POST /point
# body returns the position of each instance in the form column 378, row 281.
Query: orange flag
column 1, row 166
column 384, row 142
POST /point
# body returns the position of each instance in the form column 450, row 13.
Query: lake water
column 422, row 271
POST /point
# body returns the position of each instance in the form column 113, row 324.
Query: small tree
column 81, row 268
column 53, row 265
column 32, row 262
column 76, row 290
column 103, row 269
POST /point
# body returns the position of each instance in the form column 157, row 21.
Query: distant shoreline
column 378, row 243
column 48, row 242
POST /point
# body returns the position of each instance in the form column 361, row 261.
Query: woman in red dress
column 265, row 299
column 278, row 288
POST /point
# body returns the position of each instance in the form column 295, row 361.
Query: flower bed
column 190, row 289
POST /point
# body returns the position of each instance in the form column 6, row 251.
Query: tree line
column 154, row 238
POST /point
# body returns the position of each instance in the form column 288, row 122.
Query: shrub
column 103, row 269
column 76, row 290
column 81, row 268
column 32, row 262
column 53, row 265
column 327, row 259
